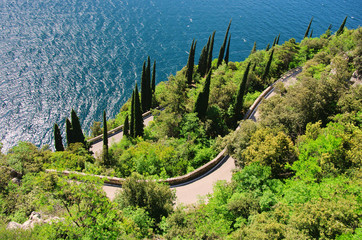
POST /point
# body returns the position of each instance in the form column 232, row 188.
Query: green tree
column 153, row 81
column 238, row 105
column 267, row 47
column 96, row 129
column 203, row 60
column 191, row 62
column 222, row 48
column 131, row 124
column 341, row 28
column 267, row 68
column 277, row 42
column 138, row 119
column 274, row 42
column 269, row 149
column 307, row 31
column 202, row 101
column 254, row 48
column 148, row 81
column 209, row 54
column 77, row 129
column 90, row 213
column 126, row 127
column 69, row 132
column 227, row 51
column 105, row 157
column 155, row 198
column 58, row 142
column 145, row 87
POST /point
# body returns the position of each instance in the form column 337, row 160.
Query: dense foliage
column 299, row 174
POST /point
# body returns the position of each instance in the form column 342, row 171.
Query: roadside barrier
column 197, row 172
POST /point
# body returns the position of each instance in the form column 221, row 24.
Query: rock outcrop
column 34, row 219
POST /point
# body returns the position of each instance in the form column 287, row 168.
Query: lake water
column 56, row 55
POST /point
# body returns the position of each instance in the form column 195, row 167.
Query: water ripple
column 56, row 55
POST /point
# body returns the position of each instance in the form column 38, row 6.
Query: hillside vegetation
column 299, row 167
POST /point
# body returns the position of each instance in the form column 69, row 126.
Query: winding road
column 192, row 191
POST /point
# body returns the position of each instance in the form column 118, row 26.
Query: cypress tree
column 222, row 48
column 267, row 68
column 227, row 51
column 277, row 42
column 138, row 119
column 77, row 129
column 202, row 101
column 69, row 132
column 202, row 64
column 58, row 142
column 126, row 127
column 328, row 32
column 209, row 54
column 144, row 88
column 131, row 124
column 193, row 58
column 341, row 28
column 204, row 58
column 254, row 48
column 306, row 32
column 149, row 84
column 153, row 82
column 311, row 33
column 267, row 47
column 190, row 63
column 105, row 141
column 238, row 105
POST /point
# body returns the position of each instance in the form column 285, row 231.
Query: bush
column 156, row 199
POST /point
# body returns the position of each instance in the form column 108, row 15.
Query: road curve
column 97, row 146
column 192, row 191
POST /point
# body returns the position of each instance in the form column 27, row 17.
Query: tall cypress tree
column 204, row 58
column 307, row 31
column 131, row 124
column 153, row 81
column 202, row 101
column 144, row 88
column 227, row 51
column 222, row 48
column 267, row 68
column 148, row 82
column 202, row 65
column 328, row 32
column 238, row 105
column 254, row 48
column 69, row 132
column 105, row 156
column 58, row 142
column 341, row 28
column 277, row 42
column 267, row 47
column 191, row 62
column 209, row 54
column 126, row 127
column 77, row 129
column 138, row 119
column 153, row 86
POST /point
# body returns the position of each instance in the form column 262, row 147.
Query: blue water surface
column 56, row 55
